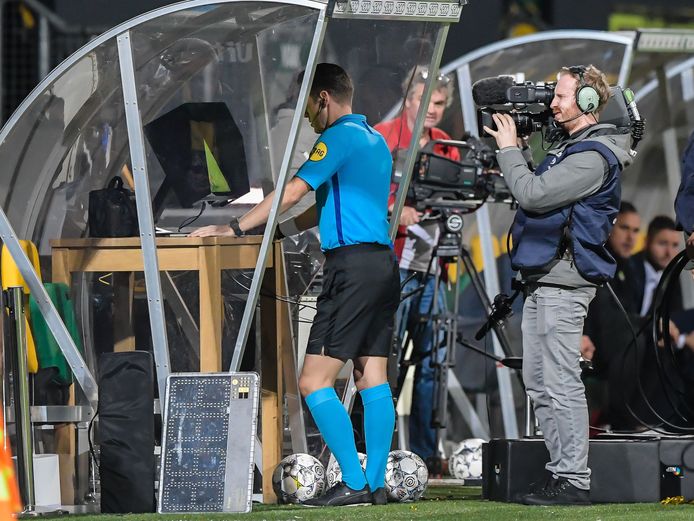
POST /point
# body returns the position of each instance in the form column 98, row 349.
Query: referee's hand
column 214, row 230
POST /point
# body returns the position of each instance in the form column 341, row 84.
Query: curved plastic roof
column 69, row 136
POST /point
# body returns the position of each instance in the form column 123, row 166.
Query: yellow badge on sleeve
column 320, row 150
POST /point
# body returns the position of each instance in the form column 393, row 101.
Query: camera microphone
column 492, row 91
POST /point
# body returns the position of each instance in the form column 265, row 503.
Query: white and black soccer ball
column 466, row 460
column 334, row 472
column 298, row 477
column 406, row 476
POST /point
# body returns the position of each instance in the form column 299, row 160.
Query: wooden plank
column 121, row 259
column 210, row 277
column 271, row 417
column 60, row 266
column 163, row 242
column 123, row 293
column 65, row 432
column 170, row 259
column 271, row 379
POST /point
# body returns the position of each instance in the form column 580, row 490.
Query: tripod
column 443, row 334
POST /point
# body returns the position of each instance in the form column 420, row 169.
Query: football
column 406, row 476
column 466, row 460
column 334, row 472
column 298, row 477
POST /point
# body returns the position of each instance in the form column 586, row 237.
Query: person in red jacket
column 414, row 245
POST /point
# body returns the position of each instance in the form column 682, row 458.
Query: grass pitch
column 439, row 503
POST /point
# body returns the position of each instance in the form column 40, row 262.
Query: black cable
column 638, row 375
column 191, row 220
column 661, row 314
column 89, row 438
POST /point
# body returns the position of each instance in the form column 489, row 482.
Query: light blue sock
column 336, row 427
column 379, row 423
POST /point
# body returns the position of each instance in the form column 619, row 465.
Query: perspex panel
column 208, row 442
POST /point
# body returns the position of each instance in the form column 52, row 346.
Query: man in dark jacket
column 567, row 208
column 606, row 333
column 684, row 204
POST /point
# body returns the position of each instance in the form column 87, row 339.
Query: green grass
column 440, row 503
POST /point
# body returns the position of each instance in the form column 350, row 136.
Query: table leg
column 123, row 294
column 210, row 277
column 65, row 432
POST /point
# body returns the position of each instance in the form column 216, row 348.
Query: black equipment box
column 677, row 459
column 623, row 471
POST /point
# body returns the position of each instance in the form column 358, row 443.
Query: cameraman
column 567, row 208
column 414, row 246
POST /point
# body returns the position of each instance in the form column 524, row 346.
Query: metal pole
column 143, row 200
column 417, row 129
column 2, row 64
column 50, row 314
column 22, row 413
column 491, row 276
column 44, row 47
column 265, row 246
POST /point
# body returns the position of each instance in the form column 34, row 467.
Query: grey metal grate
column 208, row 442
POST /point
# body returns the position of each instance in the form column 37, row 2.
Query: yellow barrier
column 10, row 277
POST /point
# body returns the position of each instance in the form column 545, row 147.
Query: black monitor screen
column 200, row 149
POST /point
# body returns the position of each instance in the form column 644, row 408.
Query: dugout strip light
column 437, row 11
column 663, row 40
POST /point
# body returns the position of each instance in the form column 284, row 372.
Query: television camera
column 528, row 104
column 440, row 183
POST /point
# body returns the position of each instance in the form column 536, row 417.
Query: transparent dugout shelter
column 185, row 103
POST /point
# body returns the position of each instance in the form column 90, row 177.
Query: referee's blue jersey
column 349, row 168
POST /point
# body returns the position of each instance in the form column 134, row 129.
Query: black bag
column 112, row 211
column 126, row 432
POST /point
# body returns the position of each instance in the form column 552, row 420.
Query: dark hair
column 627, row 207
column 333, row 79
column 660, row 223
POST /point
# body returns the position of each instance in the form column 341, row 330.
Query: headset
column 321, row 105
column 587, row 98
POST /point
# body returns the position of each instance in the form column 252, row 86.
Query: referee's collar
column 357, row 118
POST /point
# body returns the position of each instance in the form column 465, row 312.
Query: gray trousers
column 552, row 329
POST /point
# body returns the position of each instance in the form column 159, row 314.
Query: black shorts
column 356, row 310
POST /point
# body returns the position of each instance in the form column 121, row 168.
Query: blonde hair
column 592, row 77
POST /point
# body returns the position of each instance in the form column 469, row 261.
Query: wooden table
column 208, row 256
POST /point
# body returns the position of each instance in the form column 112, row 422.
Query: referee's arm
column 295, row 190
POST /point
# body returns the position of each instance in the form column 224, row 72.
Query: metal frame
column 491, row 275
column 79, row 368
column 259, row 272
column 84, row 377
column 417, row 130
column 143, row 199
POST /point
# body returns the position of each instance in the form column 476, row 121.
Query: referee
column 349, row 168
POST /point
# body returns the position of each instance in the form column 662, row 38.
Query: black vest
column 583, row 226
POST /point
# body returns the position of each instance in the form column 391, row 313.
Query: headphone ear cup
column 587, row 99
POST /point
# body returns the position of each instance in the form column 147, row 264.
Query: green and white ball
column 298, row 477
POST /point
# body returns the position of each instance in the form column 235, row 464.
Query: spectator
column 607, row 333
column 414, row 245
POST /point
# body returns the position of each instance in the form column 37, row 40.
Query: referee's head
column 332, row 79
column 330, row 96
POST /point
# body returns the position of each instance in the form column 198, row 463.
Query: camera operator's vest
column 583, row 226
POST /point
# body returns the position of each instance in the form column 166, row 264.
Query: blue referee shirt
column 349, row 168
